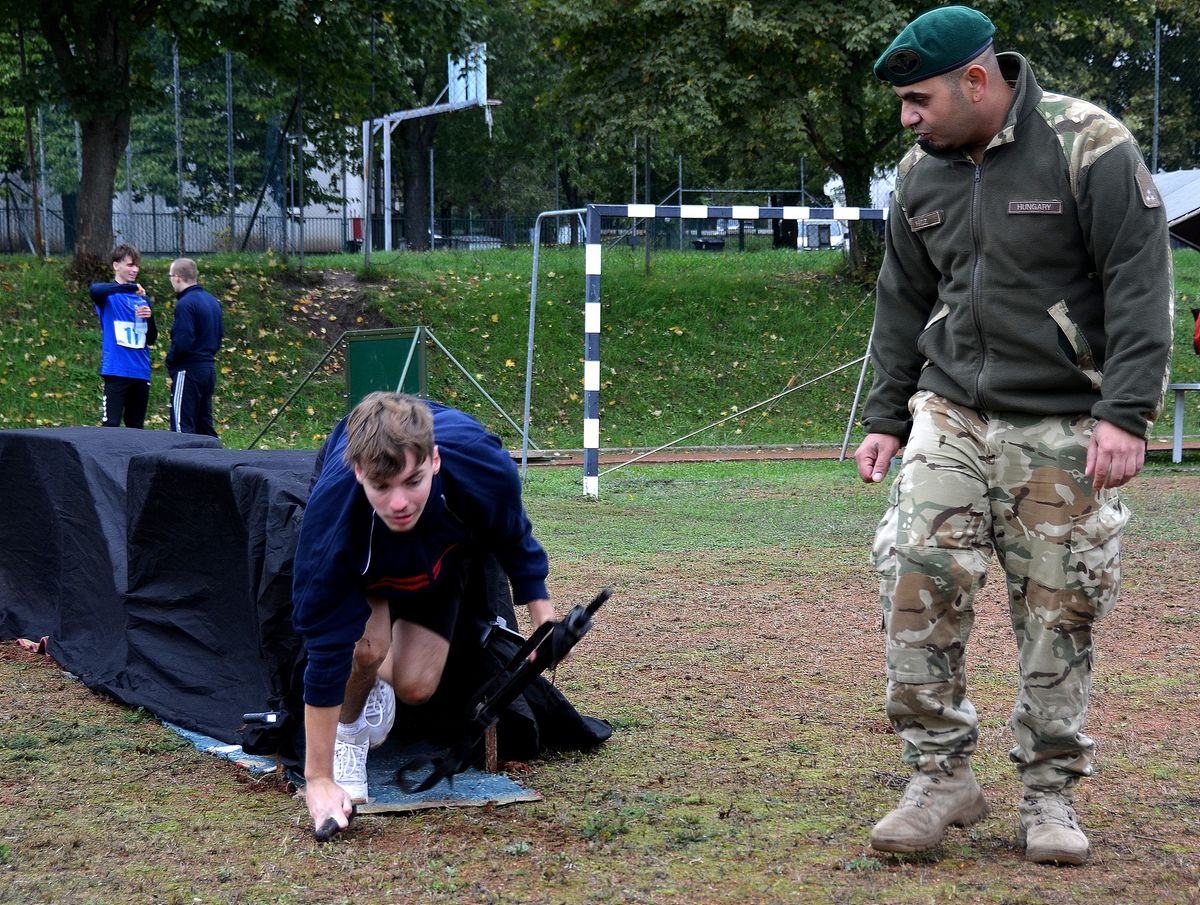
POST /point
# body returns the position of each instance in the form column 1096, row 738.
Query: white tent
column 1181, row 196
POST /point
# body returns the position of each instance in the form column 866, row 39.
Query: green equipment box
column 391, row 359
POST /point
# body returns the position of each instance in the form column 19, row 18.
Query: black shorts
column 472, row 586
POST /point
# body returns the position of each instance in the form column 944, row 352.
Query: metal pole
column 41, row 178
column 681, row 201
column 387, row 186
column 536, row 237
column 300, row 153
column 178, row 151
column 129, row 189
column 862, row 376
column 432, row 230
column 286, row 205
column 1157, row 66
column 229, row 144
column 367, row 138
column 35, row 202
column 648, row 200
column 633, row 195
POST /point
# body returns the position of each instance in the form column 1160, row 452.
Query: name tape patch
column 1035, row 207
column 924, row 221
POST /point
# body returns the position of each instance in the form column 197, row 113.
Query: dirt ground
column 750, row 758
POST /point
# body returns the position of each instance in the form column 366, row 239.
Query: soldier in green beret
column 1020, row 350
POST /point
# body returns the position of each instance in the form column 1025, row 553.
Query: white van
column 822, row 234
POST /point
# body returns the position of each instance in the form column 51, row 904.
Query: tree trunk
column 856, row 170
column 418, row 139
column 103, row 138
column 90, row 45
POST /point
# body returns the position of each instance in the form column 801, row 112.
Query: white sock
column 349, row 730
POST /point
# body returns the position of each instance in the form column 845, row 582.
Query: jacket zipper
column 976, row 281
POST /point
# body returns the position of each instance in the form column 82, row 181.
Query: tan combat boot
column 1050, row 830
column 931, row 802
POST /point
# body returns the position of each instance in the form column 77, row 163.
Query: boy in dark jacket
column 196, row 337
column 411, row 497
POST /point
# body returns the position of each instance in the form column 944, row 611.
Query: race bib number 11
column 127, row 335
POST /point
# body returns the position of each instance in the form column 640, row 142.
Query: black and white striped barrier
column 591, row 307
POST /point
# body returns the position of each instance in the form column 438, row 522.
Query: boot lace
column 350, row 761
column 918, row 790
column 1051, row 808
column 375, row 708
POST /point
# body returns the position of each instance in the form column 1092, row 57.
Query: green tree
column 351, row 63
column 323, row 45
column 711, row 75
column 89, row 44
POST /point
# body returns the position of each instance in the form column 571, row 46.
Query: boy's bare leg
column 416, row 660
column 369, row 654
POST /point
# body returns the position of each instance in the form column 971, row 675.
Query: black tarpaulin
column 211, row 538
column 159, row 566
column 62, row 539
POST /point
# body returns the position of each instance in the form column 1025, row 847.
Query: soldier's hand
column 874, row 456
column 1114, row 456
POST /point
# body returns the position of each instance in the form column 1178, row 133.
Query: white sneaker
column 379, row 712
column 350, row 760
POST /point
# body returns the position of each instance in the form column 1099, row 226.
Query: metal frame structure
column 591, row 308
column 467, row 87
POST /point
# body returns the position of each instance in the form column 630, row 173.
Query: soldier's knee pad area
column 930, row 612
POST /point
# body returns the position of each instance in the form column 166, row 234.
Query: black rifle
column 549, row 644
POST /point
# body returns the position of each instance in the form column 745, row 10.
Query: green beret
column 935, row 42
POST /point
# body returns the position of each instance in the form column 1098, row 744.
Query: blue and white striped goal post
column 591, row 306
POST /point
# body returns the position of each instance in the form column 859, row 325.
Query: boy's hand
column 540, row 611
column 327, row 801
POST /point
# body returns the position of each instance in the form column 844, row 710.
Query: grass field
column 700, row 340
column 739, row 663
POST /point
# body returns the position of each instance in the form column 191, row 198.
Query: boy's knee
column 369, row 656
column 414, row 690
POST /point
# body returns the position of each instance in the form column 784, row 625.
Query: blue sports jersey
column 123, row 349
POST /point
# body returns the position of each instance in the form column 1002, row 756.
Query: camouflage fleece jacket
column 1038, row 281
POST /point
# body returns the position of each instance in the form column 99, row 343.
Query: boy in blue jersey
column 127, row 327
column 412, row 498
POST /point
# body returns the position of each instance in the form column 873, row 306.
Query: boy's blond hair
column 384, row 431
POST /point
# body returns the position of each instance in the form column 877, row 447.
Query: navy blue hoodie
column 197, row 331
column 475, row 499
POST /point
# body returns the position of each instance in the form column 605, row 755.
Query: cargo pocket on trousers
column 883, row 552
column 1094, row 561
column 1082, row 558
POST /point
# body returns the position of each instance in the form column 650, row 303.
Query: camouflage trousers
column 972, row 484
